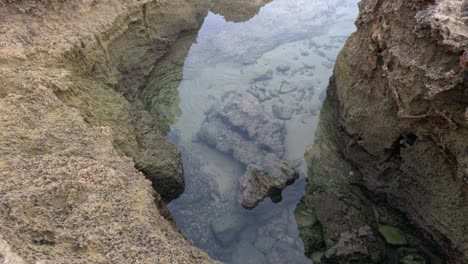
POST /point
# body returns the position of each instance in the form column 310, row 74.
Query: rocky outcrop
column 71, row 106
column 391, row 148
column 257, row 184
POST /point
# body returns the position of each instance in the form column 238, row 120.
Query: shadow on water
column 282, row 53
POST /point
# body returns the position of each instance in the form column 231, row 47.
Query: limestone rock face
column 69, row 190
column 391, row 146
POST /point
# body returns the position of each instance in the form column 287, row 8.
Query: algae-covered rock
column 392, row 235
column 412, row 259
column 310, row 229
column 354, row 246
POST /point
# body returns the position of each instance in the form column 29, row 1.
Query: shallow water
column 302, row 36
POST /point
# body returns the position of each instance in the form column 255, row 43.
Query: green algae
column 392, row 235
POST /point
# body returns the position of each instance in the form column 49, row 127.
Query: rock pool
column 281, row 54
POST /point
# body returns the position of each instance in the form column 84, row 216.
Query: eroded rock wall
column 137, row 59
column 392, row 145
column 69, row 190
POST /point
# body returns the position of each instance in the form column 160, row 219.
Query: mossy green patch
column 392, row 235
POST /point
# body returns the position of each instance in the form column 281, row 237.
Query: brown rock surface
column 392, row 143
column 67, row 194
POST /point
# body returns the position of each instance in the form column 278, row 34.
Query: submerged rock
column 226, row 227
column 286, row 87
column 246, row 253
column 310, row 229
column 283, row 68
column 257, row 184
column 268, row 75
column 282, row 112
column 283, row 252
column 260, row 93
column 239, row 126
column 413, row 259
column 354, row 246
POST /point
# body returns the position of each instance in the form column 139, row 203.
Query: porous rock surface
column 69, row 190
column 391, row 147
column 257, row 183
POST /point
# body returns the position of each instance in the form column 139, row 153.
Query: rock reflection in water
column 238, row 10
column 277, row 63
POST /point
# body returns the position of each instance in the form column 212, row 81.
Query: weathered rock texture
column 392, row 144
column 239, row 126
column 68, row 194
column 257, row 184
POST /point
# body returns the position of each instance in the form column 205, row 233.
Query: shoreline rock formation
column 72, row 113
column 391, row 147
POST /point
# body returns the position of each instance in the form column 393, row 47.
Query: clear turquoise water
column 305, row 35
